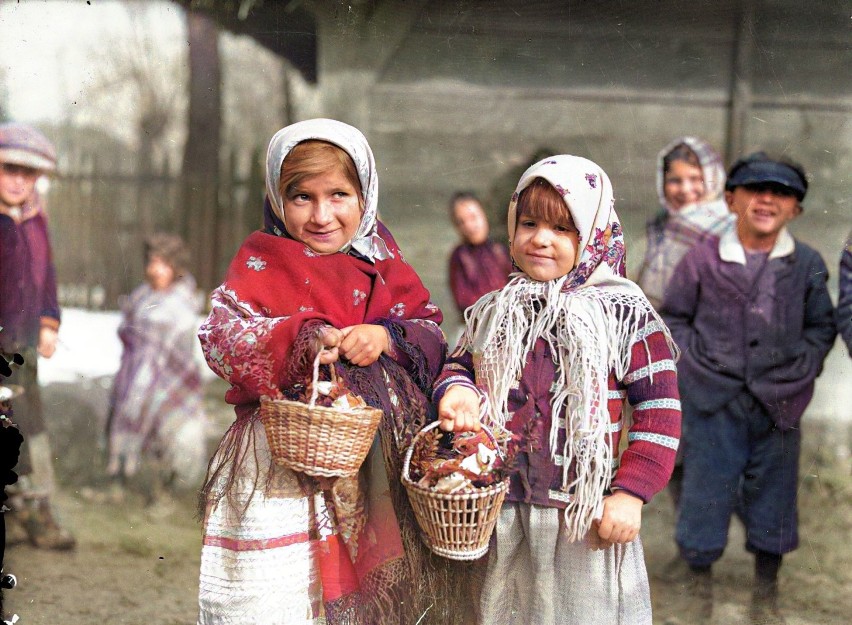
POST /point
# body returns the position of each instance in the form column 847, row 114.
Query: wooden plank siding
column 99, row 221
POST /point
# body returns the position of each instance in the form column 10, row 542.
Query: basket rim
column 265, row 403
column 479, row 493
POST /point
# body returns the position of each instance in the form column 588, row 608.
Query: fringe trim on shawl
column 236, row 447
column 590, row 332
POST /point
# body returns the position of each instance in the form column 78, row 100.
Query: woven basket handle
column 406, row 463
column 314, row 390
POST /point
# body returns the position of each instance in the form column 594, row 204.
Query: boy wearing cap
column 754, row 320
column 29, row 316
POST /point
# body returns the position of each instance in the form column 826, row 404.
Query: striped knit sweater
column 650, row 386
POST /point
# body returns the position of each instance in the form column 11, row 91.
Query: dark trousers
column 737, row 460
column 27, row 410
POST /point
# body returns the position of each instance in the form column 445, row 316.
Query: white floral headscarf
column 366, row 241
column 587, row 192
column 590, row 318
column 712, row 169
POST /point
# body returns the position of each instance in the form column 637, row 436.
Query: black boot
column 701, row 588
column 764, row 605
column 764, row 599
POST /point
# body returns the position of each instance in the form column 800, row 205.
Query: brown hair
column 540, row 200
column 462, row 196
column 171, row 248
column 314, row 157
column 680, row 152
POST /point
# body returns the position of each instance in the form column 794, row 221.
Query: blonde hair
column 314, row 157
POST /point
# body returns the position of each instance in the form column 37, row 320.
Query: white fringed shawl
column 590, row 319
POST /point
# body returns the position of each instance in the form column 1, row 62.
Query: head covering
column 21, row 144
column 590, row 319
column 712, row 169
column 366, row 241
column 758, row 168
column 674, row 232
column 587, row 192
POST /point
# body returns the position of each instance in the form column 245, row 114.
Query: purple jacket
column 768, row 337
column 27, row 281
column 476, row 270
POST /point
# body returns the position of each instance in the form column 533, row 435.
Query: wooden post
column 741, row 87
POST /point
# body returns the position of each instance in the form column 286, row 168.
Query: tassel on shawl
column 590, row 332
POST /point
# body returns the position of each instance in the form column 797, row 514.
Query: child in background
column 478, row 265
column 156, row 409
column 554, row 354
column 752, row 315
column 690, row 182
column 29, row 318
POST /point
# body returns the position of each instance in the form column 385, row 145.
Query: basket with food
column 329, row 435
column 456, row 484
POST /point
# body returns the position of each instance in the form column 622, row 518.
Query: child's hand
column 620, row 521
column 458, row 409
column 363, row 344
column 329, row 339
column 47, row 338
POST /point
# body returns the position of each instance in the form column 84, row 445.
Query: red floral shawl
column 285, row 282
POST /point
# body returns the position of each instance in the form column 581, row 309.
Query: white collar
column 732, row 251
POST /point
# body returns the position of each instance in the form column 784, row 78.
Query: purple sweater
column 476, row 270
column 27, row 281
column 645, row 465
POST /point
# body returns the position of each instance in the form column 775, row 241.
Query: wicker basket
column 455, row 526
column 319, row 441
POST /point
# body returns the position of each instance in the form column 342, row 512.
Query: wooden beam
column 741, row 83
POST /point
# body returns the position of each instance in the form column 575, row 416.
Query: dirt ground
column 138, row 567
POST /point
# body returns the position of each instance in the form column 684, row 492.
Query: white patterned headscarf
column 712, row 169
column 590, row 319
column 366, row 241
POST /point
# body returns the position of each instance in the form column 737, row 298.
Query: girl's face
column 683, row 184
column 159, row 273
column 545, row 250
column 17, row 183
column 323, row 211
column 470, row 221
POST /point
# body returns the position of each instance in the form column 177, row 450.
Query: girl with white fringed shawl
column 553, row 355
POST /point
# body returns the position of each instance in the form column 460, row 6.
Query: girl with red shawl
column 280, row 547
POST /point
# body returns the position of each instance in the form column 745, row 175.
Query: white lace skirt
column 535, row 576
column 261, row 568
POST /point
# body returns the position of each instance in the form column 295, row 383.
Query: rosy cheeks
column 683, row 185
column 544, row 251
column 323, row 212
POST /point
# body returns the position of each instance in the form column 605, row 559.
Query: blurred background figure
column 690, row 182
column 156, row 410
column 844, row 303
column 29, row 316
column 478, row 264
